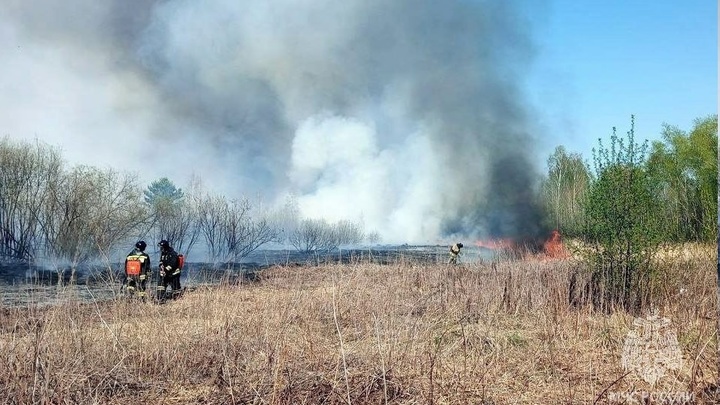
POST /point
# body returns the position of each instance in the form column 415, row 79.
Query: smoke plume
column 407, row 115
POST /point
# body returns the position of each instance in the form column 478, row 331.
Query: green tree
column 564, row 190
column 622, row 226
column 163, row 191
column 173, row 217
column 684, row 171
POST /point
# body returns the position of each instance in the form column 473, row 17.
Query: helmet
column 141, row 245
column 164, row 244
column 460, row 245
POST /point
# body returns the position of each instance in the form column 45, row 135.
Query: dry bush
column 404, row 333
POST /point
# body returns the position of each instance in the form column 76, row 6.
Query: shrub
column 622, row 227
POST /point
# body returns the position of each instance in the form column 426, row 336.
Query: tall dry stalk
column 361, row 333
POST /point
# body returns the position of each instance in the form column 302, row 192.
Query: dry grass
column 499, row 333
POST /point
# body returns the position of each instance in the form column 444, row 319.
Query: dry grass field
column 361, row 333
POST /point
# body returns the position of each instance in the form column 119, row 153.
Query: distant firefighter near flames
column 455, row 253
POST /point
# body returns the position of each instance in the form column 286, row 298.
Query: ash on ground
column 23, row 284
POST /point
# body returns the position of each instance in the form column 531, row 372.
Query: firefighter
column 455, row 252
column 169, row 271
column 137, row 271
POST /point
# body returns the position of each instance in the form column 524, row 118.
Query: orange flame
column 553, row 246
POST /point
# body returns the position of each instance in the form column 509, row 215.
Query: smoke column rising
column 407, row 115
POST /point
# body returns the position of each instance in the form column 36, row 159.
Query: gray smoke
column 407, row 114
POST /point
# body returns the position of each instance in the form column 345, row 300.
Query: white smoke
column 402, row 114
column 341, row 173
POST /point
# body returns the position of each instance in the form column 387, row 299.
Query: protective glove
column 143, row 277
column 162, row 273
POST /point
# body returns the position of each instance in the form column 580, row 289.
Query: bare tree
column 119, row 212
column 373, row 237
column 347, row 233
column 211, row 211
column 177, row 223
column 286, row 218
column 311, row 235
column 318, row 235
column 230, row 230
column 26, row 172
column 88, row 214
column 243, row 233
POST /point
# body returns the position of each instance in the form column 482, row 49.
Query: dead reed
column 363, row 333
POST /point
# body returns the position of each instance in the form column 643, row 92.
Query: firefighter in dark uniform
column 169, row 271
column 455, row 252
column 137, row 270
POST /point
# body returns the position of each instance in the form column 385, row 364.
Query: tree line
column 629, row 200
column 679, row 172
column 63, row 216
column 633, row 199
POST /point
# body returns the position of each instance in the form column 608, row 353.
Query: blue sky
column 598, row 62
